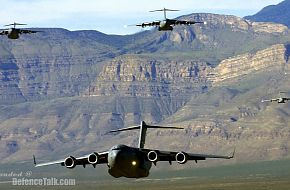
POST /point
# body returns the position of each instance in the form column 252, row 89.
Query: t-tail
column 143, row 129
column 14, row 24
column 164, row 11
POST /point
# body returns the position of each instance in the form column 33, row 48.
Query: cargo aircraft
column 279, row 100
column 131, row 162
column 167, row 24
column 14, row 33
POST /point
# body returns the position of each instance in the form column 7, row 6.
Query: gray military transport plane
column 14, row 33
column 280, row 100
column 131, row 162
column 167, row 24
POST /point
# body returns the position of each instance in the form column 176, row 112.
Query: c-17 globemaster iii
column 14, row 33
column 167, row 24
column 132, row 162
column 280, row 100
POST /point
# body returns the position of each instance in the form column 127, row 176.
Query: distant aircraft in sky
column 167, row 24
column 14, row 33
column 131, row 162
column 280, row 100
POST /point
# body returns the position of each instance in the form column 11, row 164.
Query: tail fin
column 34, row 160
column 143, row 128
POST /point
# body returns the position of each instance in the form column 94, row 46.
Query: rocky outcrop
column 215, row 21
column 136, row 76
column 273, row 58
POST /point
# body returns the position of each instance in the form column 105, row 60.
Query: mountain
column 274, row 13
column 61, row 91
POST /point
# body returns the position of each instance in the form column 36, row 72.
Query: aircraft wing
column 183, row 22
column 272, row 100
column 171, row 156
column 154, row 23
column 22, row 31
column 102, row 159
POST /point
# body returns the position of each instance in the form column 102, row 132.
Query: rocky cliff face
column 48, row 66
column 273, row 58
column 215, row 21
column 141, row 76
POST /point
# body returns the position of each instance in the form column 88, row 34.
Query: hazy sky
column 110, row 16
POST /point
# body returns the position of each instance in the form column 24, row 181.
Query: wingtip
column 34, row 160
column 233, row 154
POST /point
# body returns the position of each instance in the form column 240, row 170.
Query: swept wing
column 102, row 159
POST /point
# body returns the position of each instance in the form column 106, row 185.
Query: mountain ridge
column 274, row 13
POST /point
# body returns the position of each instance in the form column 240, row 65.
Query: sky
column 110, row 16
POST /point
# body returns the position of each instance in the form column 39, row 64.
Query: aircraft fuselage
column 282, row 100
column 13, row 33
column 165, row 25
column 124, row 161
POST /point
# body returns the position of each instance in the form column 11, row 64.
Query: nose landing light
column 134, row 163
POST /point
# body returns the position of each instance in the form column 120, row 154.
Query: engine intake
column 181, row 157
column 70, row 162
column 152, row 156
column 93, row 158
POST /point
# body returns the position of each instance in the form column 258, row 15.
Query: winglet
column 233, row 154
column 34, row 160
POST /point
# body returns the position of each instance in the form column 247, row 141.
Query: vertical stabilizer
column 164, row 14
column 142, row 135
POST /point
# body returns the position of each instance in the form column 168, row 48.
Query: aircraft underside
column 128, row 162
column 165, row 27
column 13, row 35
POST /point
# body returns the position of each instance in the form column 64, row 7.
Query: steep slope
column 232, row 112
column 216, row 119
column 274, row 13
column 54, row 63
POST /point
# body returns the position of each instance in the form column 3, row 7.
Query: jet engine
column 93, row 158
column 152, row 156
column 181, row 157
column 70, row 162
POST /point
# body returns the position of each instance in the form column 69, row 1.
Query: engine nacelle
column 152, row 156
column 93, row 158
column 70, row 162
column 181, row 157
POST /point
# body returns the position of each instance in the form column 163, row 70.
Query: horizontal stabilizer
column 125, row 129
column 14, row 24
column 143, row 128
column 164, row 10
